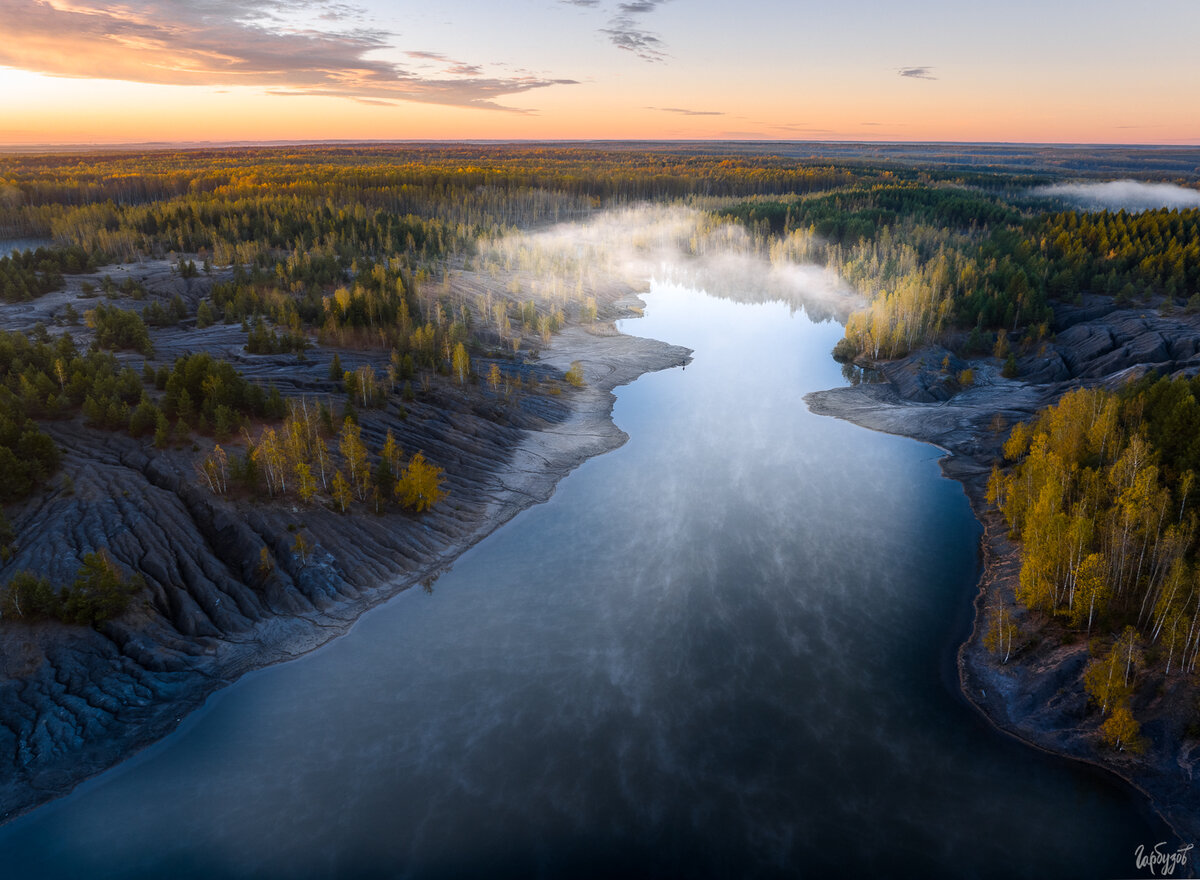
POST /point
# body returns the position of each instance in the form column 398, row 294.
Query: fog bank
column 1129, row 195
column 673, row 244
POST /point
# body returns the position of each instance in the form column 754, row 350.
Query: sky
column 1054, row 71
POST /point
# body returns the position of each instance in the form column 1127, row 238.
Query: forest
column 943, row 255
column 328, row 245
column 1102, row 498
column 351, row 249
column 314, row 253
column 942, row 263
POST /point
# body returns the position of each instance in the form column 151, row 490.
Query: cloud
column 802, row 128
column 1127, row 194
column 234, row 43
column 916, row 72
column 643, row 44
column 624, row 33
column 449, row 65
column 683, row 112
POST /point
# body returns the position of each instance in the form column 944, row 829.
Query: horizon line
column 77, row 146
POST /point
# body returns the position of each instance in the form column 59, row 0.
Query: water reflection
column 722, row 650
column 858, row 375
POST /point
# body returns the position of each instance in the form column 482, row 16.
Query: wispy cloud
column 916, row 72
column 802, row 128
column 236, row 42
column 448, row 65
column 638, row 7
column 625, row 32
column 685, row 112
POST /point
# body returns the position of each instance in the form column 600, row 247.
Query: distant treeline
column 477, row 186
column 850, row 216
column 337, row 239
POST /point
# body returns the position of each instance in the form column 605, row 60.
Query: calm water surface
column 8, row 245
column 722, row 650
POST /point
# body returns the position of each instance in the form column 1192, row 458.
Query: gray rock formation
column 74, row 700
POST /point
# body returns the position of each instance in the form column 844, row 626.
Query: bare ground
column 75, row 700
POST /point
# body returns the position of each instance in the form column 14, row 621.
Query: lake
column 725, row 649
column 8, row 245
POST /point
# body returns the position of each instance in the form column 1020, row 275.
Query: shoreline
column 345, row 584
column 1030, row 698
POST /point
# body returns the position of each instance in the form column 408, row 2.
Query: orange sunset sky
column 82, row 71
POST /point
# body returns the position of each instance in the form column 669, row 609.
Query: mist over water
column 678, row 244
column 722, row 650
column 1117, row 195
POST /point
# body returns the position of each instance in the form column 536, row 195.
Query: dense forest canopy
column 940, row 259
column 935, row 248
column 1102, row 497
column 477, row 186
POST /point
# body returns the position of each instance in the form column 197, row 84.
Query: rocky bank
column 1038, row 694
column 227, row 590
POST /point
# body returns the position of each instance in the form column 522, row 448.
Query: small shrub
column 101, row 591
column 29, row 597
column 845, row 350
column 574, row 375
